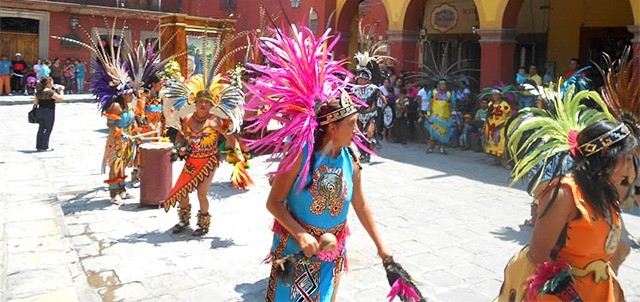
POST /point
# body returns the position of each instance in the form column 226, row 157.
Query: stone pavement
column 452, row 221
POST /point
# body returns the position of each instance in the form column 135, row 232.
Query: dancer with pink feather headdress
column 305, row 90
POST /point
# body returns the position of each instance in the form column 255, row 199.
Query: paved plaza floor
column 452, row 221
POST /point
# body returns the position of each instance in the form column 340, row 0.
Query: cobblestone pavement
column 452, row 221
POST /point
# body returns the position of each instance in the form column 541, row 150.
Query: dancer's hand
column 308, row 244
column 384, row 253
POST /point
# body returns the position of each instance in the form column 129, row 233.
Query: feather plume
column 302, row 76
column 621, row 89
column 536, row 136
column 369, row 55
column 142, row 61
column 401, row 283
column 109, row 73
column 436, row 71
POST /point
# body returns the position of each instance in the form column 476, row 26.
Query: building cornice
column 82, row 9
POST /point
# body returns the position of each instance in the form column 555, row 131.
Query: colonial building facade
column 497, row 35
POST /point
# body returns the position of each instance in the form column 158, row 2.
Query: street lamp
column 295, row 3
column 74, row 22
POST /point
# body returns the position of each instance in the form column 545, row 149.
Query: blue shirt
column 5, row 67
column 80, row 71
column 44, row 71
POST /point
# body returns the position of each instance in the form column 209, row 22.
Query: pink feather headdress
column 301, row 76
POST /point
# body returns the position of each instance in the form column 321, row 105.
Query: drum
column 155, row 173
column 387, row 116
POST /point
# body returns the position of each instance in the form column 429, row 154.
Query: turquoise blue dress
column 321, row 208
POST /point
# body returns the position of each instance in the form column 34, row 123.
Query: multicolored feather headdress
column 368, row 57
column 436, row 72
column 536, row 136
column 303, row 76
column 143, row 62
column 109, row 74
column 227, row 99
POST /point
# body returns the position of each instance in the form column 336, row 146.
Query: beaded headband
column 345, row 109
column 595, row 145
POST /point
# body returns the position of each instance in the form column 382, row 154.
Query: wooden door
column 24, row 43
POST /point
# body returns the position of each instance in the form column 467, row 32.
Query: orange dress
column 589, row 244
column 201, row 162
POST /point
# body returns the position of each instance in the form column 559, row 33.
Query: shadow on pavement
column 253, row 291
column 219, row 243
column 156, row 237
column 105, row 130
column 521, row 236
column 85, row 201
column 28, row 151
column 222, row 190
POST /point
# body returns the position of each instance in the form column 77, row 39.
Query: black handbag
column 32, row 117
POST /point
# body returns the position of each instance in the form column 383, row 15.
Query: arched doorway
column 373, row 13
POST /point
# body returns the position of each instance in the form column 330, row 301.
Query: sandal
column 125, row 195
column 179, row 227
column 117, row 201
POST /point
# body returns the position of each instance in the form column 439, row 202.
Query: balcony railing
column 167, row 6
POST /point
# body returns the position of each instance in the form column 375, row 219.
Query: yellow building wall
column 566, row 18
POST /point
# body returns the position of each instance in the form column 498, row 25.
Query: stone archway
column 346, row 11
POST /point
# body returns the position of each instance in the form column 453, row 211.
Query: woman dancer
column 578, row 226
column 118, row 154
column 198, row 143
column 497, row 116
column 319, row 176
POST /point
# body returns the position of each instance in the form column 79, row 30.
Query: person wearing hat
column 369, row 93
column 19, row 67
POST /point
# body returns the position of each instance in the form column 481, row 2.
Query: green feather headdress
column 537, row 135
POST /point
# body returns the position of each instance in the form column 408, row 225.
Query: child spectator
column 521, row 76
column 467, row 128
column 456, row 129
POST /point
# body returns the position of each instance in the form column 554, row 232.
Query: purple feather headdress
column 302, row 76
column 109, row 74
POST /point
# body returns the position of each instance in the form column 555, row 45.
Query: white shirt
column 424, row 104
column 385, row 92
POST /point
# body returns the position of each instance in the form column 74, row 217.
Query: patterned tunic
column 320, row 209
column 202, row 160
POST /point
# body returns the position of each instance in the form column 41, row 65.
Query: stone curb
column 29, row 102
column 83, row 289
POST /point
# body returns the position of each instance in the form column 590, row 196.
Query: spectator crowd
column 18, row 77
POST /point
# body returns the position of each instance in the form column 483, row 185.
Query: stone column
column 404, row 47
column 498, row 55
